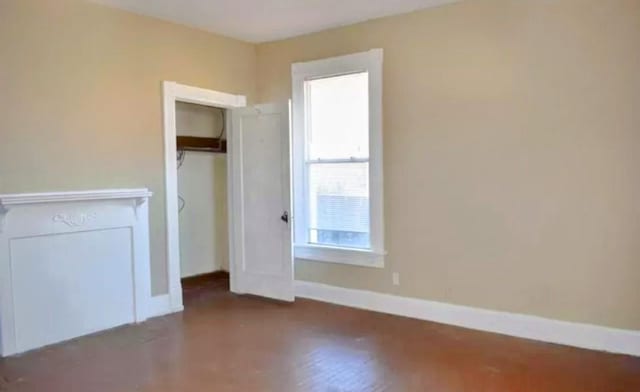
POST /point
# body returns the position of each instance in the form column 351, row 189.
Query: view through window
column 337, row 160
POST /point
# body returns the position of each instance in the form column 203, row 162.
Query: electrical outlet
column 396, row 278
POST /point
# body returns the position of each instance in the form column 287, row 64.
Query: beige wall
column 202, row 183
column 512, row 153
column 80, row 98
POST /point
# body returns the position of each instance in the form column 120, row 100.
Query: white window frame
column 371, row 62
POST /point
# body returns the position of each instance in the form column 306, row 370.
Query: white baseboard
column 160, row 305
column 519, row 325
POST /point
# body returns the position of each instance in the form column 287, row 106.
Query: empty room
column 354, row 195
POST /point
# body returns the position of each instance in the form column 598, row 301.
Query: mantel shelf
column 59, row 197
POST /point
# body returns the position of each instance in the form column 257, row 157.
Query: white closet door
column 260, row 206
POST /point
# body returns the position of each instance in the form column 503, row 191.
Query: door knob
column 285, row 217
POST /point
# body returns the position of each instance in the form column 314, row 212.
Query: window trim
column 371, row 62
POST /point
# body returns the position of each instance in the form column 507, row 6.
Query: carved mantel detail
column 78, row 220
column 3, row 213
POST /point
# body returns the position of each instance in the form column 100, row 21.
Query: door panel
column 262, row 253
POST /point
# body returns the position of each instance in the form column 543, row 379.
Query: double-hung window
column 337, row 159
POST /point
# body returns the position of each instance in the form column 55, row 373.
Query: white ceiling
column 269, row 20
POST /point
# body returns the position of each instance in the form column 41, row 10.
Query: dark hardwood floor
column 224, row 342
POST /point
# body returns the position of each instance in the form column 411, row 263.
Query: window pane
column 338, row 116
column 339, row 204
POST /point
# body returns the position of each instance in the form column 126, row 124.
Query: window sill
column 362, row 258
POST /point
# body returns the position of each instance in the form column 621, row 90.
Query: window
column 337, row 152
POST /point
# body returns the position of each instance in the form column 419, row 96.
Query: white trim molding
column 371, row 62
column 519, row 325
column 160, row 305
column 359, row 257
column 174, row 92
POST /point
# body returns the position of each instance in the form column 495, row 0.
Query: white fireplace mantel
column 71, row 263
column 7, row 201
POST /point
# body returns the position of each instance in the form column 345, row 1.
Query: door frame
column 173, row 92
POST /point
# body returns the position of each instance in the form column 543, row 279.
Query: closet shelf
column 204, row 144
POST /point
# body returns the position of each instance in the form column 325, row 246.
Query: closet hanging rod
column 204, row 144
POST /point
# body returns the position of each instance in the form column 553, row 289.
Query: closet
column 202, row 189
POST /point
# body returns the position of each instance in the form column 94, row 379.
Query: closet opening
column 201, row 141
